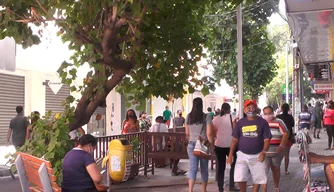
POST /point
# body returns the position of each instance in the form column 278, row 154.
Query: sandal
column 179, row 172
column 277, row 189
column 234, row 188
column 287, row 172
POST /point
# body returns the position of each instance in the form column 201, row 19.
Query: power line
column 259, row 43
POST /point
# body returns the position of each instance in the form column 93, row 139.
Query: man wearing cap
column 252, row 136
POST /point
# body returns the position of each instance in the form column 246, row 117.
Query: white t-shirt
column 223, row 128
column 159, row 127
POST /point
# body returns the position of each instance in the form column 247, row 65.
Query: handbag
column 202, row 146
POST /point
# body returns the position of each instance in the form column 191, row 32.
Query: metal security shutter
column 53, row 102
column 12, row 92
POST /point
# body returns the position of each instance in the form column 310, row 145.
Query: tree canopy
column 258, row 60
column 145, row 47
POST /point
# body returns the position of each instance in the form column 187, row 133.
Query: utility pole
column 287, row 73
column 240, row 64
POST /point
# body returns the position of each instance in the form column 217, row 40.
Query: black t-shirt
column 288, row 121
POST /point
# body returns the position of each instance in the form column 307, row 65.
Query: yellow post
column 184, row 100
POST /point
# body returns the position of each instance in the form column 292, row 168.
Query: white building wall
column 113, row 117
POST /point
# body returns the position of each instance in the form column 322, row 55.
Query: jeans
column 221, row 154
column 193, row 164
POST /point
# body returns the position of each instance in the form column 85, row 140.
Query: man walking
column 252, row 136
column 278, row 143
column 179, row 120
column 18, row 128
column 167, row 115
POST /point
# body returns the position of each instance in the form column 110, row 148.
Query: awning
column 312, row 26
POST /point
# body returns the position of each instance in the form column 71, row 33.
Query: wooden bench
column 35, row 174
column 175, row 147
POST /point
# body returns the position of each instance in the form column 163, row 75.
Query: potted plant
column 136, row 153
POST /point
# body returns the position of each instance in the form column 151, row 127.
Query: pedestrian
column 252, row 136
column 329, row 124
column 35, row 116
column 318, row 112
column 130, row 123
column 278, row 142
column 178, row 121
column 304, row 119
column 223, row 127
column 18, row 128
column 310, row 108
column 167, row 115
column 198, row 124
column 144, row 123
column 210, row 113
column 290, row 123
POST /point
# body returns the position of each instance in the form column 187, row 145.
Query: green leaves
column 258, row 52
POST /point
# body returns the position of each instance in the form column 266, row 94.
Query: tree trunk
column 87, row 107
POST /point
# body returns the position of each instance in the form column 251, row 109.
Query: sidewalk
column 288, row 183
column 162, row 181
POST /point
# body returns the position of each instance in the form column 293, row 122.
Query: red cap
column 250, row 102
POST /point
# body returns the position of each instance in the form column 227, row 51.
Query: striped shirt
column 304, row 118
column 277, row 128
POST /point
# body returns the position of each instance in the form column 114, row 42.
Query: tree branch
column 42, row 7
column 82, row 35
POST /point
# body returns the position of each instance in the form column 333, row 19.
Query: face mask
column 180, row 114
column 131, row 116
column 268, row 117
column 250, row 114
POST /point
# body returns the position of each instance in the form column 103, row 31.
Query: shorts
column 275, row 159
column 249, row 166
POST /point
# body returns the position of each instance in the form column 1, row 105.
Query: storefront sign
column 327, row 86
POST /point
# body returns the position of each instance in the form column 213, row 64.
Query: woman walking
column 223, row 127
column 198, row 124
column 329, row 124
column 290, row 123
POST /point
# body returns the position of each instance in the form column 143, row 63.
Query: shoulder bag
column 202, row 146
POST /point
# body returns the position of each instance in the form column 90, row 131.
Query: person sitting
column 328, row 162
column 80, row 172
column 160, row 126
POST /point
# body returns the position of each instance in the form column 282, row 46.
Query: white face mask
column 268, row 117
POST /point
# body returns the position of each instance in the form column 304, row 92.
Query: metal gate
column 53, row 102
column 12, row 93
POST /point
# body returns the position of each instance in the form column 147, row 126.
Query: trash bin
column 120, row 159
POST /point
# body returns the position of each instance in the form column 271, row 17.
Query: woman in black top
column 290, row 123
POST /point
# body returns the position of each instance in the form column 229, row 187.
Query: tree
column 258, row 61
column 145, row 47
column 279, row 34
